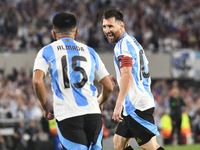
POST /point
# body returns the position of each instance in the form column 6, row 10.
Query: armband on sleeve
column 125, row 62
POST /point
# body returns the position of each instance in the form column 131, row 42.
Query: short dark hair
column 113, row 13
column 64, row 22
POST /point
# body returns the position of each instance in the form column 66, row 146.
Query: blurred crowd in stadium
column 160, row 26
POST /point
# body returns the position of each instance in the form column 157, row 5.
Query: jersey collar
column 123, row 36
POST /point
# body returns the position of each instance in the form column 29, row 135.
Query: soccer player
column 135, row 97
column 73, row 66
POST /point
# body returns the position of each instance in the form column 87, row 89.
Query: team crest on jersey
column 120, row 63
column 67, row 40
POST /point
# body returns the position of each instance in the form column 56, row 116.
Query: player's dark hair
column 64, row 22
column 113, row 13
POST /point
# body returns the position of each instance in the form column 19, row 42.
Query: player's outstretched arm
column 106, row 91
column 39, row 88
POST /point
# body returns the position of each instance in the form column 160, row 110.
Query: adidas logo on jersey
column 138, row 140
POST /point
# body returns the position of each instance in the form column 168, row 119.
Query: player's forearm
column 125, row 83
column 39, row 88
column 104, row 96
column 107, row 90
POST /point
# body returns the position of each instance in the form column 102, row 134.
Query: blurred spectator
column 32, row 132
column 185, row 129
column 2, row 143
column 166, row 128
column 18, row 141
column 176, row 103
column 32, row 111
column 196, row 127
column 14, row 106
column 20, row 112
column 5, row 111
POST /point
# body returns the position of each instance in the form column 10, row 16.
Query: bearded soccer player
column 135, row 97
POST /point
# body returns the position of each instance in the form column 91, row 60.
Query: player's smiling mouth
column 110, row 35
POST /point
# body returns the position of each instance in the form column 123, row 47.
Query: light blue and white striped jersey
column 139, row 95
column 72, row 66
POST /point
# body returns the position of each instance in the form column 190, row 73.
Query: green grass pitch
column 182, row 147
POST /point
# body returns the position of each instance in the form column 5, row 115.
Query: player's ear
column 76, row 32
column 54, row 34
column 122, row 24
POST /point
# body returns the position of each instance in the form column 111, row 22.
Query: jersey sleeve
column 100, row 71
column 126, row 45
column 40, row 62
column 124, row 56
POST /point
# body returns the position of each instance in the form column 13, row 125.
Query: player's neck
column 65, row 36
column 122, row 33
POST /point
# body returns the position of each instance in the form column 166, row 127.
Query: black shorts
column 79, row 131
column 133, row 126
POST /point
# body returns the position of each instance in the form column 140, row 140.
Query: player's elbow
column 107, row 85
column 38, row 78
column 36, row 82
column 110, row 89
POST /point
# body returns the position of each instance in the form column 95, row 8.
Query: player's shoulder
column 90, row 49
column 84, row 45
column 123, row 40
column 45, row 49
column 130, row 40
column 49, row 45
column 80, row 44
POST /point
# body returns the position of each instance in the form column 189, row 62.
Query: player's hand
column 48, row 113
column 114, row 80
column 101, row 107
column 117, row 114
